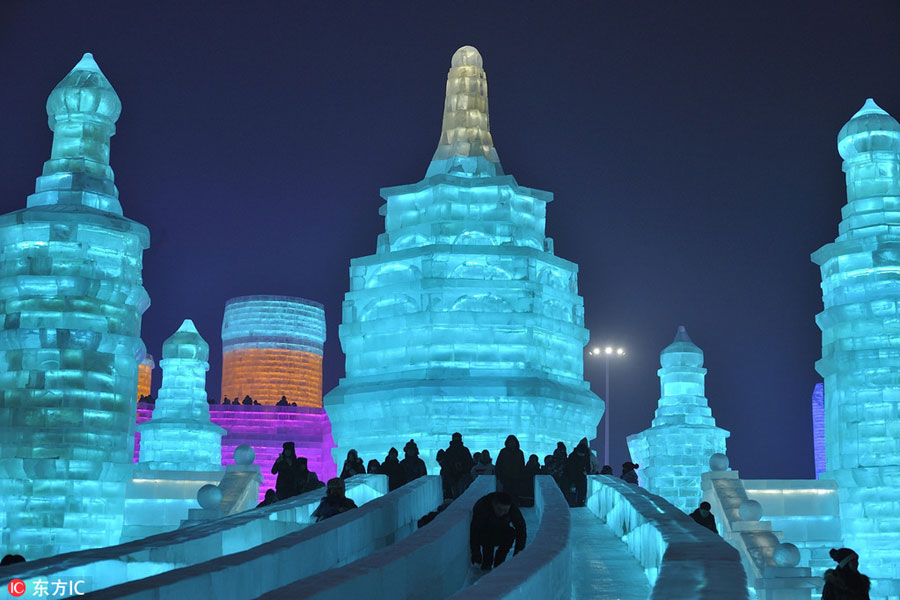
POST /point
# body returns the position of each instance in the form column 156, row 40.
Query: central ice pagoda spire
column 466, row 148
column 463, row 319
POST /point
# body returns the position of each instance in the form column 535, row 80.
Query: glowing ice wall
column 861, row 346
column 71, row 302
column 818, row 418
column 145, row 377
column 180, row 436
column 463, row 319
column 272, row 347
column 675, row 451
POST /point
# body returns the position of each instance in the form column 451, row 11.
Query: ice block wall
column 861, row 346
column 145, row 377
column 180, row 436
column 674, row 452
column 272, row 347
column 71, row 302
column 818, row 419
column 463, row 319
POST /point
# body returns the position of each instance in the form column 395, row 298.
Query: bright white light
column 596, row 350
column 609, row 350
column 620, row 351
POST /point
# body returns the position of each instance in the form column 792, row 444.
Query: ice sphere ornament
column 71, row 301
column 860, row 360
column 683, row 439
column 180, row 436
column 463, row 319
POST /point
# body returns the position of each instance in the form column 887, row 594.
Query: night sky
column 690, row 147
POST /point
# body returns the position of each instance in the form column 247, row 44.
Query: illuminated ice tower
column 71, row 302
column 463, row 319
column 861, row 346
column 675, row 451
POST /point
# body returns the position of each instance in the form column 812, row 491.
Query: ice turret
column 675, row 451
column 861, row 346
column 180, row 436
column 71, row 302
column 463, row 319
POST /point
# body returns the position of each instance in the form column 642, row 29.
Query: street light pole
column 609, row 352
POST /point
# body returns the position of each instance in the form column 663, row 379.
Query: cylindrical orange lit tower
column 145, row 376
column 272, row 347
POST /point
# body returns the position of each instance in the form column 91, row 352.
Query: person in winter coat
column 558, row 469
column 334, row 502
column 483, row 466
column 606, row 470
column 413, row 466
column 287, row 468
column 307, row 480
column 578, row 466
column 629, row 473
column 845, row 582
column 373, row 468
column 532, row 468
column 496, row 523
column 704, row 517
column 353, row 465
column 456, row 466
column 510, row 468
column 391, row 467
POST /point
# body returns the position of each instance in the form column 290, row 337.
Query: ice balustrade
column 273, row 564
column 405, row 569
column 681, row 559
column 114, row 565
column 544, row 568
column 771, row 566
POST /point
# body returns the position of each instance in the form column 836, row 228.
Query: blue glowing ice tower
column 463, row 319
column 675, row 451
column 180, row 436
column 71, row 302
column 861, row 346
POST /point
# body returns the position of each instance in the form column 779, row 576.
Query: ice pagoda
column 464, row 319
column 71, row 302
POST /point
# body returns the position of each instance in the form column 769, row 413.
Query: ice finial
column 682, row 351
column 682, row 335
column 186, row 343
column 870, row 129
column 85, row 94
column 466, row 147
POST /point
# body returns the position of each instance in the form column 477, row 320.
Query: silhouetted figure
column 226, row 400
column 391, row 467
column 457, row 463
column 353, row 465
column 270, row 498
column 496, row 523
column 307, row 480
column 255, row 403
column 334, row 502
column 532, row 468
column 845, row 582
column 212, row 401
column 606, row 470
column 704, row 517
column 413, row 466
column 578, row 465
column 629, row 472
column 293, row 404
column 510, row 468
column 483, row 466
column 11, row 559
column 445, row 480
column 248, row 401
column 374, row 467
column 475, row 458
column 287, row 468
column 282, row 402
column 558, row 468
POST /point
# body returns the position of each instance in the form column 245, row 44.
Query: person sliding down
column 704, row 517
column 496, row 523
column 334, row 502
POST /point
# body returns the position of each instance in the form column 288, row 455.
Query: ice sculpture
column 71, row 302
column 861, row 346
column 675, row 451
column 180, row 436
column 463, row 319
column 272, row 347
column 818, row 418
column 145, row 376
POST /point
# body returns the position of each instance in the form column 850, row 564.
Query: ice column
column 71, row 302
column 675, row 451
column 861, row 346
column 463, row 319
column 818, row 419
column 180, row 436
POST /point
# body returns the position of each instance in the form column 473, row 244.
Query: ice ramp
column 681, row 560
column 431, row 563
column 113, row 565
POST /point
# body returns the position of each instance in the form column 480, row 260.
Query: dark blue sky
column 690, row 146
